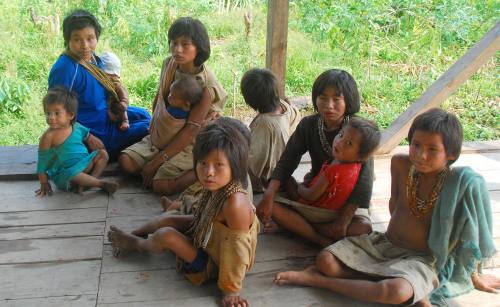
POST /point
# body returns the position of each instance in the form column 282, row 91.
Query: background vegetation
column 395, row 49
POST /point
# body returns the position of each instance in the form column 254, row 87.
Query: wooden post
column 442, row 88
column 277, row 30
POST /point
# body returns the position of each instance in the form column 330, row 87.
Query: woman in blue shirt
column 78, row 69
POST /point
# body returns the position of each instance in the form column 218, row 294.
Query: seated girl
column 189, row 48
column 62, row 154
column 220, row 239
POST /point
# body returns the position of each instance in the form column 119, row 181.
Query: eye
column 349, row 143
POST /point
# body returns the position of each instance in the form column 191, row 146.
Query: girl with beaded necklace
column 220, row 238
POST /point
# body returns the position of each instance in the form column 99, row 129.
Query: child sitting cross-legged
column 62, row 154
column 310, row 208
column 220, row 238
column 439, row 234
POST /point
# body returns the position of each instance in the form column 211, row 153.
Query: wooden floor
column 54, row 251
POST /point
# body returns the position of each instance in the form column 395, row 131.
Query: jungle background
column 395, row 49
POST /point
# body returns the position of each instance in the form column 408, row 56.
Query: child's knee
column 394, row 291
column 327, row 263
column 163, row 238
column 359, row 226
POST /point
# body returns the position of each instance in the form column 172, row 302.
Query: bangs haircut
column 196, row 31
column 343, row 83
column 60, row 95
column 370, row 135
column 259, row 88
column 228, row 139
column 445, row 124
column 189, row 89
column 77, row 20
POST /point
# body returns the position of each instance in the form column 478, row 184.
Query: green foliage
column 13, row 94
column 395, row 49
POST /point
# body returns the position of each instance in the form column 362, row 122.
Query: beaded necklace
column 418, row 206
column 327, row 148
column 210, row 206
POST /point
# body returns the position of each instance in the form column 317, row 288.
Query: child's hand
column 45, row 189
column 234, row 301
column 124, row 125
column 486, row 282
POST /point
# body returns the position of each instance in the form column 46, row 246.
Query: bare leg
column 169, row 205
column 386, row 291
column 359, row 225
column 174, row 186
column 293, row 221
column 179, row 222
column 128, row 165
column 85, row 180
column 166, row 238
column 100, row 162
column 423, row 303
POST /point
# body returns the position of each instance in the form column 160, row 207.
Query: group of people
column 440, row 230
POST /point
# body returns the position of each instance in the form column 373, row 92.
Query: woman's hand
column 148, row 172
column 45, row 189
column 234, row 301
column 265, row 209
column 485, row 282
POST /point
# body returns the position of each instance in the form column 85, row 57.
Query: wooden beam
column 442, row 88
column 277, row 30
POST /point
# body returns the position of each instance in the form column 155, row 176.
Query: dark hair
column 77, row 20
column 234, row 123
column 61, row 95
column 343, row 83
column 190, row 90
column 370, row 135
column 196, row 31
column 229, row 139
column 259, row 88
column 446, row 124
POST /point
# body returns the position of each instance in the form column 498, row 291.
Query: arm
column 394, row 183
column 122, row 95
column 235, row 250
column 45, row 144
column 315, row 191
column 339, row 226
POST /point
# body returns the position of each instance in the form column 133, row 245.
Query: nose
column 422, row 154
column 209, row 171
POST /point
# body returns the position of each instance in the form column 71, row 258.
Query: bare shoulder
column 238, row 211
column 46, row 139
column 400, row 163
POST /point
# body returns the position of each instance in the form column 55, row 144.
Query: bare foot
column 234, row 300
column 303, row 278
column 124, row 125
column 109, row 186
column 122, row 242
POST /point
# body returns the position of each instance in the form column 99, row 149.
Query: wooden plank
column 168, row 288
column 276, row 41
column 73, row 301
column 59, row 200
column 146, row 204
column 134, row 262
column 441, row 89
column 21, row 281
column 125, row 223
column 33, row 218
column 52, row 231
column 46, row 250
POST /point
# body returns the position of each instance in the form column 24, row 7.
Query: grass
column 395, row 49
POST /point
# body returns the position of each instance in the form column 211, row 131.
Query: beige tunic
column 270, row 133
column 164, row 126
